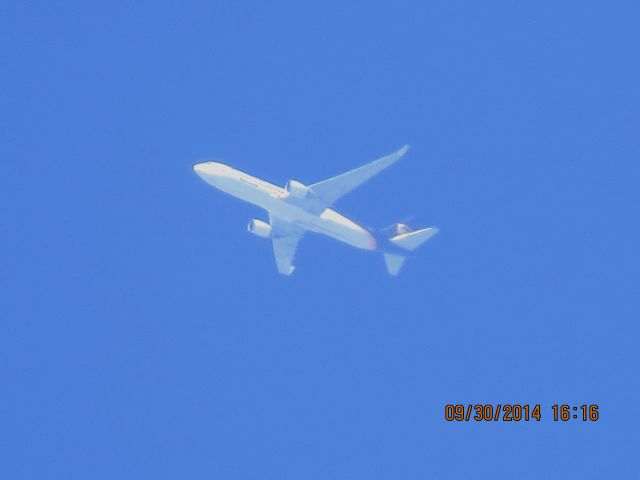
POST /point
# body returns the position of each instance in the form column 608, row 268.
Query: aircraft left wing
column 285, row 238
column 332, row 189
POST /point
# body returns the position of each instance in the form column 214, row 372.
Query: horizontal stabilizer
column 413, row 239
column 394, row 263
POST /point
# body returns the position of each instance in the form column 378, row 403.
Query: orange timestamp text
column 514, row 412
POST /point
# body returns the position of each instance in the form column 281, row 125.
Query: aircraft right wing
column 285, row 238
column 332, row 189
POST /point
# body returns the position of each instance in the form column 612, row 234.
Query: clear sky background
column 145, row 334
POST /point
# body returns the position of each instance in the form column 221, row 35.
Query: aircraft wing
column 332, row 189
column 285, row 238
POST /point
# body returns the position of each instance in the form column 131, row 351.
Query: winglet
column 288, row 271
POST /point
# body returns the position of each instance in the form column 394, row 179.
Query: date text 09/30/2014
column 514, row 412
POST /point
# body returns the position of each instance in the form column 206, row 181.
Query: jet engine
column 259, row 228
column 296, row 189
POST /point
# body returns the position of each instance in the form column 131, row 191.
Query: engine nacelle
column 296, row 189
column 259, row 228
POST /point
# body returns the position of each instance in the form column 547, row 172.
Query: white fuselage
column 281, row 204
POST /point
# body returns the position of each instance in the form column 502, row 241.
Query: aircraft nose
column 205, row 170
column 211, row 172
column 200, row 168
column 210, row 169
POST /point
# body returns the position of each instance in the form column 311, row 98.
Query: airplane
column 298, row 208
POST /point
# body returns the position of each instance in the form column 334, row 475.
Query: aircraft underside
column 299, row 208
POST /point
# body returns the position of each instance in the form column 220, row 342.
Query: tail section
column 410, row 240
column 394, row 263
column 405, row 240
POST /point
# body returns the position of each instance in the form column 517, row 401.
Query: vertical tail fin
column 394, row 263
column 408, row 240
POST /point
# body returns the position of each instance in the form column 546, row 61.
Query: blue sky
column 145, row 334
